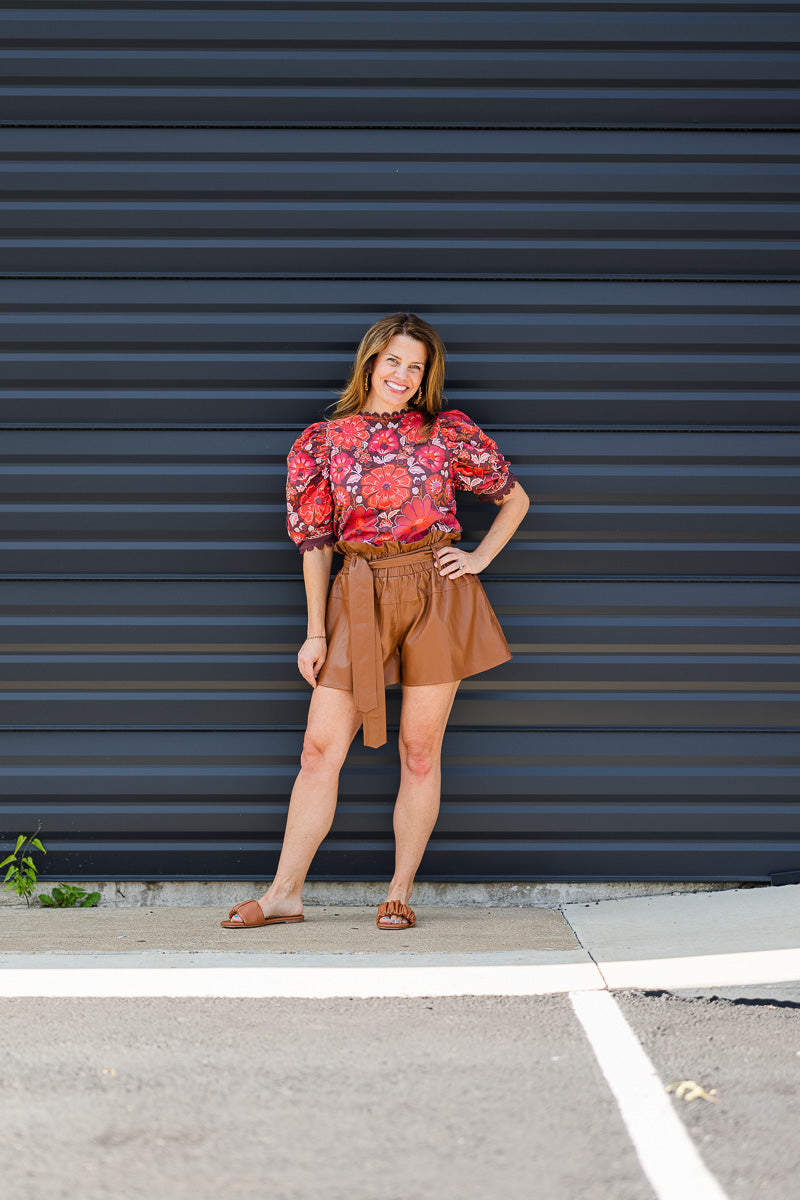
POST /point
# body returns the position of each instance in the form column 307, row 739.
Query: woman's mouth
column 394, row 387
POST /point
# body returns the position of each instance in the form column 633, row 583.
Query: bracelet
column 313, row 637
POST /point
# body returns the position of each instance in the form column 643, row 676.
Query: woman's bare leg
column 423, row 720
column 333, row 722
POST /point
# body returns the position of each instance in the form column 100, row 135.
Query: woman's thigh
column 424, row 714
column 333, row 720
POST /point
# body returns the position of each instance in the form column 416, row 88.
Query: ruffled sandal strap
column 396, row 908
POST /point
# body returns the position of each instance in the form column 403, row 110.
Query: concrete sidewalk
column 724, row 939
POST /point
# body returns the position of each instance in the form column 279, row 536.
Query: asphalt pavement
column 149, row 1052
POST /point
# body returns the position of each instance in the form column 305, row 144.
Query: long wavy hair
column 428, row 398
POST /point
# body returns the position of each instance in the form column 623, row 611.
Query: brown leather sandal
column 396, row 908
column 252, row 916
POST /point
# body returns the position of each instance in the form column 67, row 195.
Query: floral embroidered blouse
column 375, row 477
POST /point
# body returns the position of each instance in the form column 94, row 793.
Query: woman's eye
column 394, row 362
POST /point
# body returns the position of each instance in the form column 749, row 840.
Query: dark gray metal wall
column 203, row 206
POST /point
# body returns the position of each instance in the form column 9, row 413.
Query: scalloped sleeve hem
column 501, row 491
column 316, row 543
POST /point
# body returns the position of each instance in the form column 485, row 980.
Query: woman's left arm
column 454, row 562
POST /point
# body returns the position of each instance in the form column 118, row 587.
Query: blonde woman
column 376, row 482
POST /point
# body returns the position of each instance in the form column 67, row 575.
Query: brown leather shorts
column 391, row 617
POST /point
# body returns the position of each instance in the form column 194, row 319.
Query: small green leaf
column 10, row 858
column 20, row 840
column 35, row 842
column 46, row 900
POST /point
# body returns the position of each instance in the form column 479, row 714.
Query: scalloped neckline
column 402, row 412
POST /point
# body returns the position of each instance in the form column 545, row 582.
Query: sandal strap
column 396, row 908
column 250, row 911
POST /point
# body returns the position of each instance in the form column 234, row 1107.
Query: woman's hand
column 453, row 563
column 310, row 657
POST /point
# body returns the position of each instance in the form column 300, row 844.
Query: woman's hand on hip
column 453, row 563
column 310, row 657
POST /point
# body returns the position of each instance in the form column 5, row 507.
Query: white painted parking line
column 664, row 1148
column 513, row 973
column 310, row 982
column 704, row 970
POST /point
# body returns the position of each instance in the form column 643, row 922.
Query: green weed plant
column 21, row 875
column 69, row 896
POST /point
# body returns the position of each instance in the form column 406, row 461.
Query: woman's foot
column 392, row 919
column 273, row 907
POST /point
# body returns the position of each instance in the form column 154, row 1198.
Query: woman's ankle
column 278, row 893
column 400, row 891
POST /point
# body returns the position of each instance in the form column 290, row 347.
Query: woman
column 376, row 482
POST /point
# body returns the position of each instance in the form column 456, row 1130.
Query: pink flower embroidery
column 360, row 525
column 383, row 442
column 435, row 487
column 386, row 487
column 432, row 457
column 301, row 467
column 412, row 428
column 418, row 514
column 341, row 466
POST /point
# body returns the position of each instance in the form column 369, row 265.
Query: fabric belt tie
column 369, row 692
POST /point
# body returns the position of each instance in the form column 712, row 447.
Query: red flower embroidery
column 386, row 487
column 461, row 426
column 341, row 466
column 383, row 442
column 315, row 507
column 342, row 497
column 301, row 467
column 351, row 432
column 435, row 487
column 432, row 457
column 418, row 514
column 412, row 428
column 360, row 525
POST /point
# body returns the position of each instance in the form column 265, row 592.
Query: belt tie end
column 366, row 651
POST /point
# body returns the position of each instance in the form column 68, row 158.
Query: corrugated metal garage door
column 203, row 207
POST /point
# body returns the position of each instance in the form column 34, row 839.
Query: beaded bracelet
column 313, row 637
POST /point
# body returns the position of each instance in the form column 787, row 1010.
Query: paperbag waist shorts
column 391, row 617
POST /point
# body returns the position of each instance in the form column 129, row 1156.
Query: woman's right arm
column 316, row 576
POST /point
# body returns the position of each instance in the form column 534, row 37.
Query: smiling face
column 397, row 374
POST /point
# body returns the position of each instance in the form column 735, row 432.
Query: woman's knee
column 419, row 756
column 321, row 754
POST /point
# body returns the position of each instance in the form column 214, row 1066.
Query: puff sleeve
column 476, row 462
column 309, row 503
